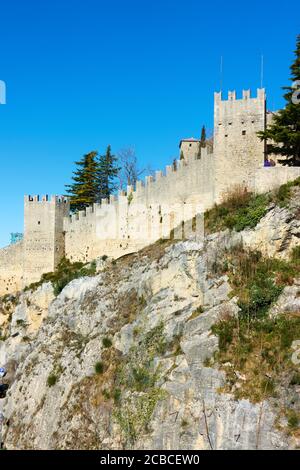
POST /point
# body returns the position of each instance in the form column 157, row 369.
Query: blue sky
column 84, row 74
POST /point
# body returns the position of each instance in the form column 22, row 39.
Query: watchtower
column 238, row 150
column 189, row 148
column 44, row 244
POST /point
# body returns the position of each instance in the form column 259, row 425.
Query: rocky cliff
column 183, row 345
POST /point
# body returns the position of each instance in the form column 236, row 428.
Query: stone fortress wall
column 11, row 268
column 136, row 218
column 44, row 243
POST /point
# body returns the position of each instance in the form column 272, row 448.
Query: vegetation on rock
column 242, row 209
column 65, row 273
column 254, row 347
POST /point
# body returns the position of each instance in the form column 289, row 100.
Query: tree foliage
column 93, row 179
column 83, row 191
column 203, row 137
column 107, row 173
column 284, row 131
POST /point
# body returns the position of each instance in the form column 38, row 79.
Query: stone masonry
column 144, row 214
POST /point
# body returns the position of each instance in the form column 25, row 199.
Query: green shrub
column 51, row 381
column 224, row 330
column 262, row 293
column 117, row 395
column 293, row 420
column 143, row 378
column 295, row 256
column 107, row 343
column 256, row 345
column 64, row 274
column 242, row 209
column 99, row 368
column 283, row 194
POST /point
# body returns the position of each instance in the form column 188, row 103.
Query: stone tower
column 189, row 148
column 237, row 149
column 44, row 243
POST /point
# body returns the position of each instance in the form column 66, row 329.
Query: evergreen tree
column 284, row 131
column 107, row 173
column 202, row 143
column 203, row 137
column 84, row 189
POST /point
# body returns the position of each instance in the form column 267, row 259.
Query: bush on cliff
column 65, row 273
column 242, row 209
column 254, row 345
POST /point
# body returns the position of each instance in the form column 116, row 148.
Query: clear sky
column 82, row 74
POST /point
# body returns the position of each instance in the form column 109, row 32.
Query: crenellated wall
column 137, row 218
column 192, row 180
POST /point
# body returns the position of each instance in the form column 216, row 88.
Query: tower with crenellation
column 44, row 238
column 199, row 179
column 238, row 151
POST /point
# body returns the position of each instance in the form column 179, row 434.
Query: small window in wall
column 190, row 145
column 230, row 123
column 39, row 222
column 226, row 135
column 243, row 132
column 252, row 122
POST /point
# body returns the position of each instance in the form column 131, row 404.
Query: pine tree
column 284, row 131
column 203, row 137
column 84, row 189
column 107, row 173
column 202, row 143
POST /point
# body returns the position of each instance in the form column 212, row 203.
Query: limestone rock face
column 158, row 304
column 276, row 234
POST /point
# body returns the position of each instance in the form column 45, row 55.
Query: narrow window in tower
column 39, row 222
column 243, row 132
column 230, row 123
column 226, row 135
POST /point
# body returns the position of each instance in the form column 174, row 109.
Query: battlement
column 197, row 178
column 151, row 189
column 45, row 198
column 138, row 216
column 106, row 227
column 246, row 95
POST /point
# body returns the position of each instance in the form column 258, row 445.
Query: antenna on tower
column 221, row 73
column 261, row 71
